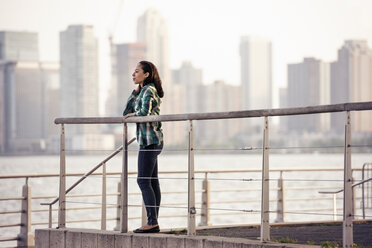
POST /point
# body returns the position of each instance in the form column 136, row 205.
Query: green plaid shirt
column 146, row 102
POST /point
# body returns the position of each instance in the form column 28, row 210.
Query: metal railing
column 265, row 226
column 265, row 188
column 209, row 189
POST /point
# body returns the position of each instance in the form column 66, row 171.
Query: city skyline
column 297, row 29
column 27, row 85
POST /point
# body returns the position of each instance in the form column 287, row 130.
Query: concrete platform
column 79, row 238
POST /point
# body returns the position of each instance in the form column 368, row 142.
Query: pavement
column 314, row 234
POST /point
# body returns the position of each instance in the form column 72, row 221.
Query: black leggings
column 148, row 180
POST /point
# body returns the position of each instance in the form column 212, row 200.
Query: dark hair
column 153, row 76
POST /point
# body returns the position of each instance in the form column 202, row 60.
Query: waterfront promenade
column 348, row 189
column 321, row 233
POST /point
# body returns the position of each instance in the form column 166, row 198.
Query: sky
column 205, row 32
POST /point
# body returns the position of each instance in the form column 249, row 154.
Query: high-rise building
column 19, row 46
column 51, row 104
column 125, row 58
column 256, row 72
column 219, row 97
column 351, row 81
column 152, row 29
column 308, row 85
column 79, row 75
column 190, row 79
column 27, row 123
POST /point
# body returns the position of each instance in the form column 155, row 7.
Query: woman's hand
column 128, row 115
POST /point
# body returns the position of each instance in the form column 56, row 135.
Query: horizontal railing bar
column 341, row 190
column 71, row 221
column 57, row 175
column 72, row 196
column 310, row 210
column 174, row 172
column 12, row 198
column 8, row 239
column 69, row 209
column 12, row 212
column 357, row 106
column 10, row 225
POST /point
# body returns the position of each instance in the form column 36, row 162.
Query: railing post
column 50, row 216
column 191, row 186
column 124, row 183
column 353, row 195
column 103, row 208
column 204, row 221
column 281, row 200
column 363, row 201
column 265, row 225
column 348, row 191
column 117, row 228
column 335, row 207
column 62, row 182
column 26, row 238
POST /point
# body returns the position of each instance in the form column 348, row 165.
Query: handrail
column 356, row 106
column 341, row 190
column 90, row 172
column 174, row 172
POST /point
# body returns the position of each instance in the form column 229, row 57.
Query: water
column 249, row 196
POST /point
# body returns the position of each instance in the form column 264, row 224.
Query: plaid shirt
column 146, row 102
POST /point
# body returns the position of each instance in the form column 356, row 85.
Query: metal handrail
column 357, row 106
column 90, row 172
column 363, row 201
column 265, row 235
column 341, row 190
column 172, row 172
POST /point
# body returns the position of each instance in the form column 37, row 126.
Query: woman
column 144, row 101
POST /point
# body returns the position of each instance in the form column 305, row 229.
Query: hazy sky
column 205, row 32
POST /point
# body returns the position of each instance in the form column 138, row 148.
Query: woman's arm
column 129, row 108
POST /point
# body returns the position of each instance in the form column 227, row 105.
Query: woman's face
column 139, row 75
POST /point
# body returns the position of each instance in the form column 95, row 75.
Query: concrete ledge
column 79, row 238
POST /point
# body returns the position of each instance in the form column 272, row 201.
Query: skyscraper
column 308, row 84
column 256, row 72
column 19, row 46
column 190, row 79
column 125, row 58
column 220, row 97
column 351, row 81
column 25, row 106
column 152, row 29
column 79, row 75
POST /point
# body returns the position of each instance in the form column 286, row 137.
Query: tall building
column 308, row 85
column 351, row 81
column 51, row 105
column 27, row 122
column 79, row 75
column 256, row 72
column 190, row 79
column 219, row 97
column 125, row 58
column 152, row 29
column 19, row 46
